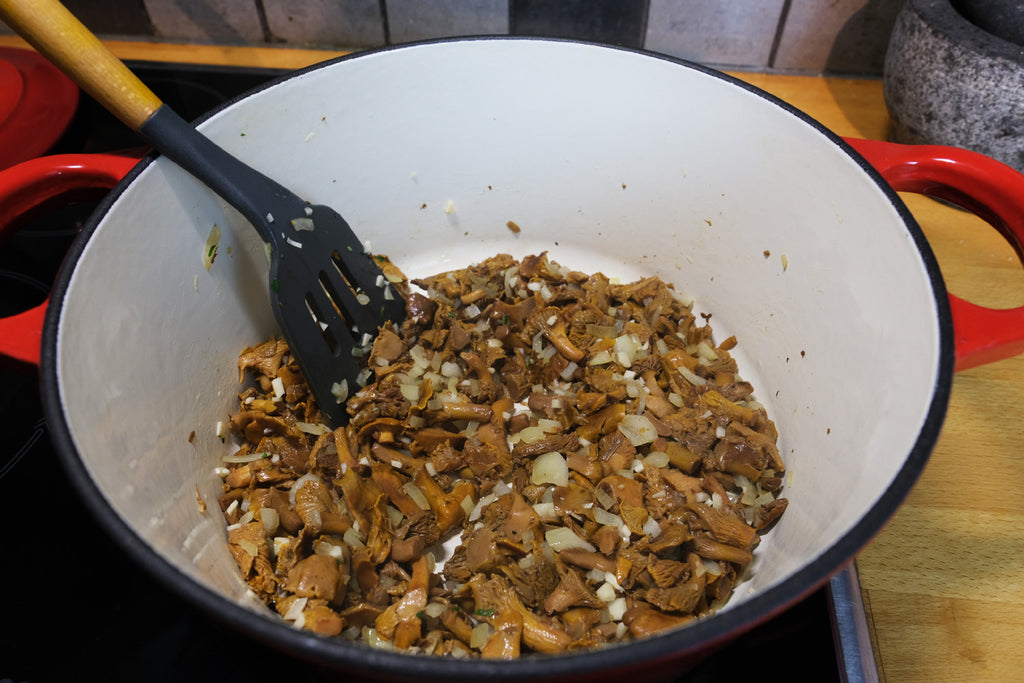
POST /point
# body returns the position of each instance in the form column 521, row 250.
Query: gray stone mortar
column 946, row 81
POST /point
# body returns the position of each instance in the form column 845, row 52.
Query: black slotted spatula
column 328, row 295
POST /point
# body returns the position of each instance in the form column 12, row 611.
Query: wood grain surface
column 944, row 581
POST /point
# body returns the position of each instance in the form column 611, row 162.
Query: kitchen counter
column 943, row 583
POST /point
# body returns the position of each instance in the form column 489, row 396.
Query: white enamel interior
column 609, row 160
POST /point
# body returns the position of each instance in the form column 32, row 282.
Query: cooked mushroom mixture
column 542, row 460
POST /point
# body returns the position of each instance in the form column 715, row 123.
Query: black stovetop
column 76, row 606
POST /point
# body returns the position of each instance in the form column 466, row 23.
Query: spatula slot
column 345, row 272
column 322, row 322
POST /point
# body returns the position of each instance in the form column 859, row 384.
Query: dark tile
column 715, row 32
column 327, row 23
column 128, row 18
column 606, row 21
column 843, row 37
column 418, row 19
column 230, row 22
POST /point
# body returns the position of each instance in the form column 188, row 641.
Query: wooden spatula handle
column 57, row 34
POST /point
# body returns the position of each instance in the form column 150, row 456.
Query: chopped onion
column 278, row 384
column 340, row 391
column 480, row 505
column 450, row 369
column 549, row 426
column 295, row 609
column 310, row 428
column 546, row 512
column 395, row 515
column 712, row 567
column 329, row 549
column 481, row 632
column 353, row 538
column 651, row 528
column 602, row 497
column 605, row 518
column 628, row 349
column 657, row 459
column 531, row 434
column 691, row 377
column 210, row 248
column 705, row 351
column 569, row 371
column 606, row 593
column 410, row 391
column 270, row 519
column 299, row 483
column 417, row 495
column 373, row 639
column 550, row 468
column 638, row 429
column 562, row 538
column 617, row 608
column 248, row 457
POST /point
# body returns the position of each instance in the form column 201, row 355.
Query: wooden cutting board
column 943, row 583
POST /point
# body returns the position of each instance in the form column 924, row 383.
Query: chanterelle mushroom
column 598, row 467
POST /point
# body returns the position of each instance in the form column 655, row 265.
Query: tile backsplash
column 799, row 36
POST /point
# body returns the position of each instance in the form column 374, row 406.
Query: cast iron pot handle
column 27, row 188
column 991, row 190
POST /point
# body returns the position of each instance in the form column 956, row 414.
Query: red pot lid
column 37, row 102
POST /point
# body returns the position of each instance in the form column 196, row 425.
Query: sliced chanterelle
column 540, row 460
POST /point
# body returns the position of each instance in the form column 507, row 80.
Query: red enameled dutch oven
column 37, row 103
column 608, row 159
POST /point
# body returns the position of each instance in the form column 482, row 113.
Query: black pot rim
column 661, row 649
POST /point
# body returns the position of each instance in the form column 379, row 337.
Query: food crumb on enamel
column 785, row 262
column 210, row 248
column 449, row 207
column 511, row 225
